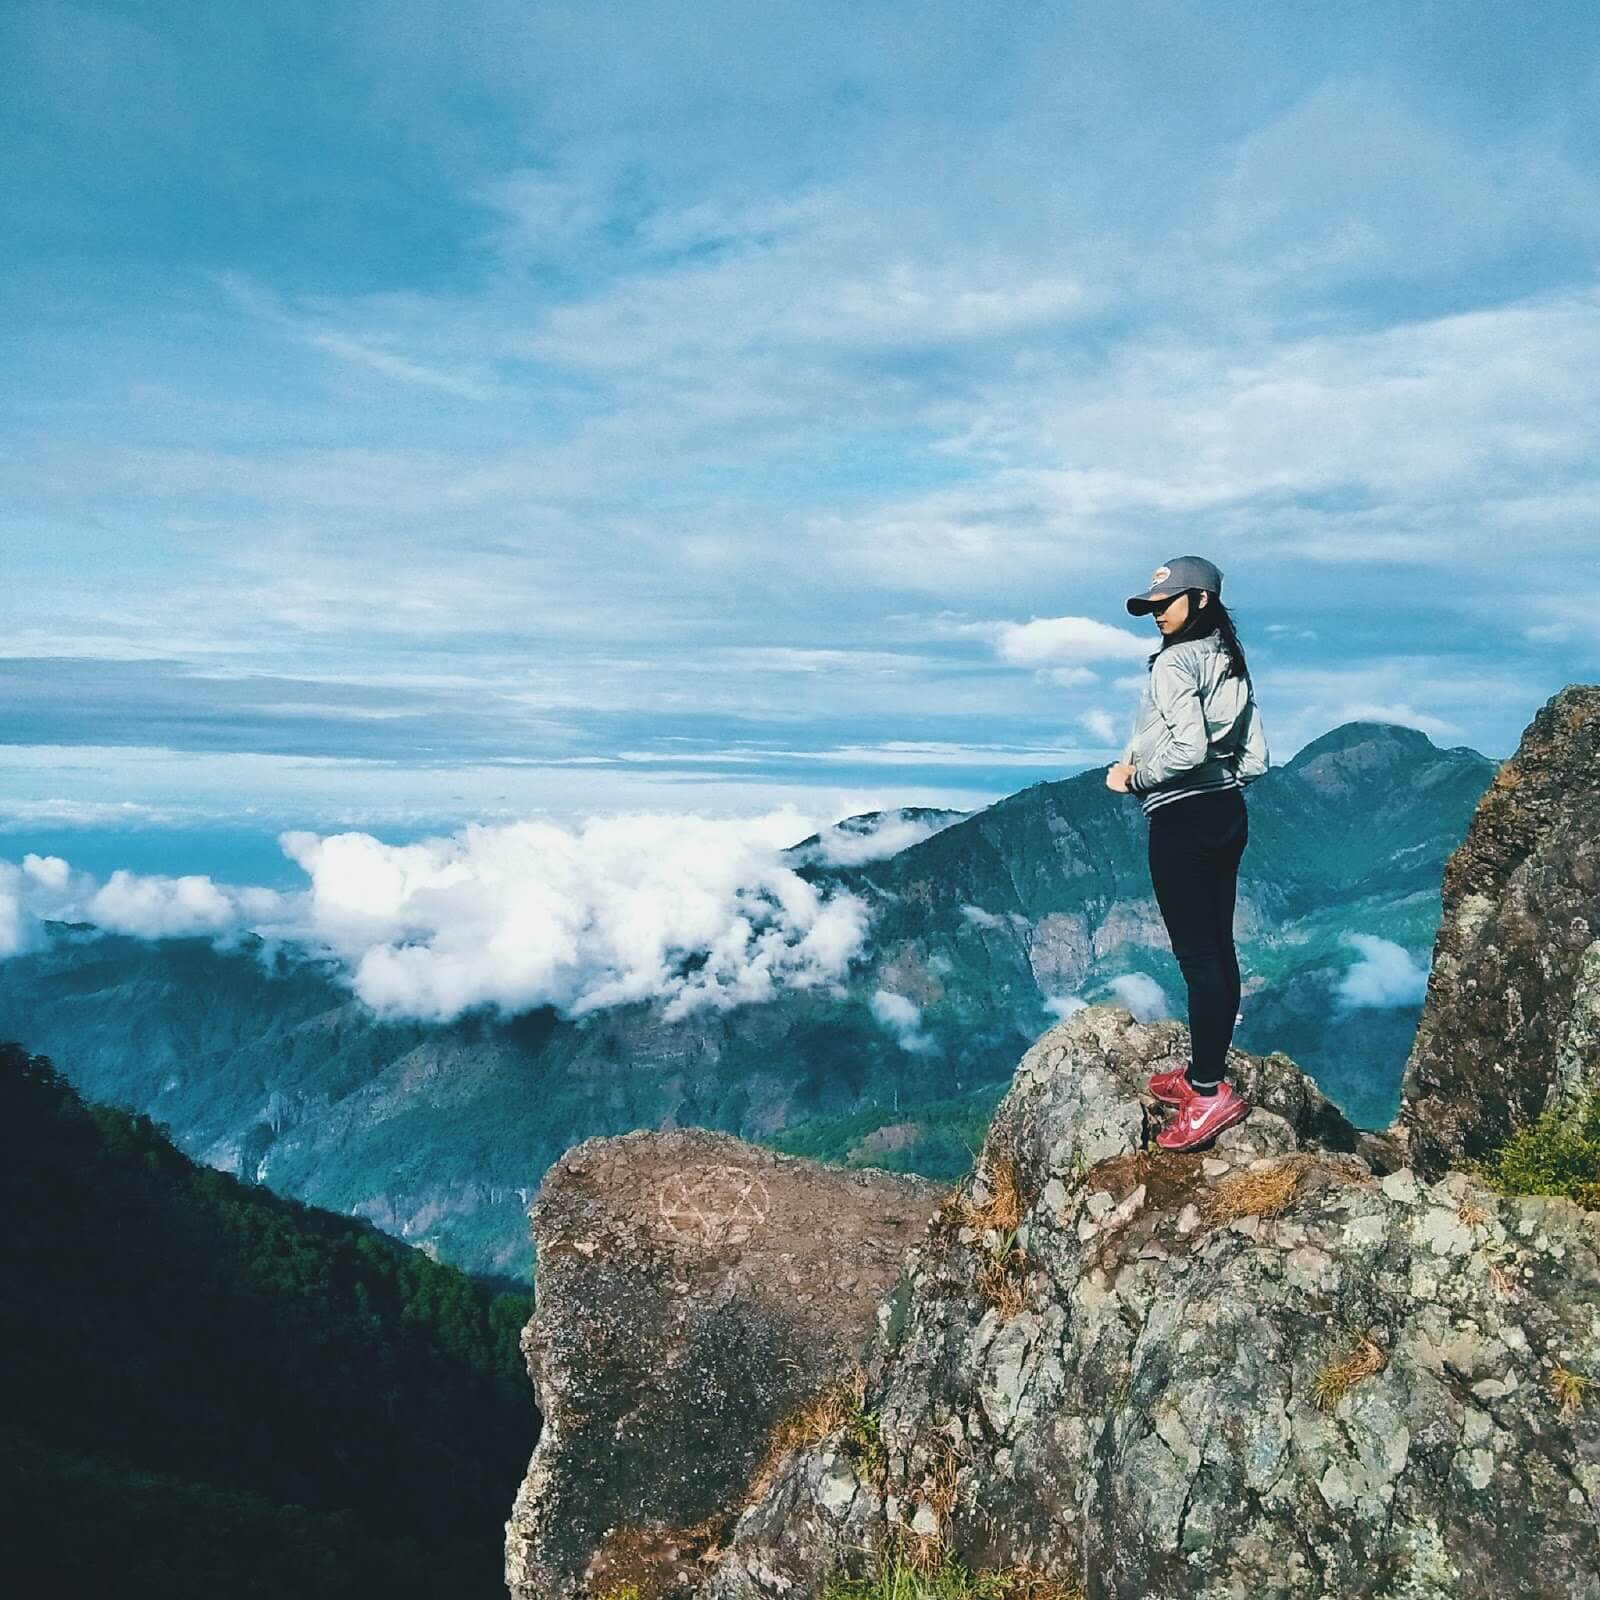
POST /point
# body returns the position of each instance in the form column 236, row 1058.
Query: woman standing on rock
column 1196, row 742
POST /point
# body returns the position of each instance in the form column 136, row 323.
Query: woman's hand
column 1117, row 775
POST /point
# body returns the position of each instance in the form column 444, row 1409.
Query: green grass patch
column 1558, row 1154
column 948, row 1135
column 900, row 1578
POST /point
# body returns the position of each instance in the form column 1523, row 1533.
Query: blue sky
column 431, row 412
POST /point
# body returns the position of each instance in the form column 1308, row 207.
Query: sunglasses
column 1158, row 606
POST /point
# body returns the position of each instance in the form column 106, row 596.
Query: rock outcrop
column 1512, row 1018
column 1260, row 1372
column 692, row 1289
column 1311, row 1361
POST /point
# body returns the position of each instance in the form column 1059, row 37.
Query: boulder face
column 1511, row 1023
column 691, row 1290
column 1262, row 1371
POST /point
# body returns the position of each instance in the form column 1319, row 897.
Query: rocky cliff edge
column 1307, row 1362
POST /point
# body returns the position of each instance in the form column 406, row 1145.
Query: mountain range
column 260, row 1061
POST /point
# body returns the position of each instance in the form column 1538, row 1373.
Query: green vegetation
column 903, row 1577
column 1558, row 1154
column 946, row 1140
column 80, row 1525
column 214, row 1389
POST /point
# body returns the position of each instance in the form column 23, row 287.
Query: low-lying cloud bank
column 682, row 909
column 1386, row 975
column 858, row 840
column 686, row 909
column 145, row 905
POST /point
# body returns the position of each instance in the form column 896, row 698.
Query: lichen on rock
column 1284, row 1377
column 1511, row 1024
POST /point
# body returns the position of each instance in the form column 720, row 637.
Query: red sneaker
column 1202, row 1117
column 1171, row 1087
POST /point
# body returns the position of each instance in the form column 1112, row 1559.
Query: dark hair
column 1213, row 617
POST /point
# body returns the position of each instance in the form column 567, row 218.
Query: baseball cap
column 1173, row 577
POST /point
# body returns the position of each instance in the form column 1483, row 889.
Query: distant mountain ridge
column 1033, row 904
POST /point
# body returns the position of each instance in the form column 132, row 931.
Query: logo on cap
column 1161, row 574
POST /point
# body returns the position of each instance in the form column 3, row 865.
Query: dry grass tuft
column 817, row 1416
column 839, row 1406
column 1260, row 1192
column 1004, row 1208
column 939, row 1482
column 1001, row 1275
column 1470, row 1213
column 1502, row 1282
column 1340, row 1376
column 1022, row 1582
column 1569, row 1388
column 1000, row 1281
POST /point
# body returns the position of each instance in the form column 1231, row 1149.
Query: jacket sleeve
column 1251, row 759
column 1176, row 694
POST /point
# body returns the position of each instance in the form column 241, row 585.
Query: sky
column 432, row 415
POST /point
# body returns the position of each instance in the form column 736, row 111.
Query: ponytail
column 1213, row 617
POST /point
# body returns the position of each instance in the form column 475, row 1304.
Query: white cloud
column 58, row 812
column 1386, row 975
column 1070, row 639
column 1067, row 677
column 850, row 843
column 903, row 1018
column 980, row 918
column 1101, row 725
column 49, row 872
column 144, row 905
column 938, row 752
column 153, row 906
column 19, row 928
column 689, row 910
column 1063, row 1005
column 1142, row 995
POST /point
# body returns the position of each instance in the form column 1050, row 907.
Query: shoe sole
column 1197, row 1144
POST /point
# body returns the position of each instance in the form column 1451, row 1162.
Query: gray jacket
column 1195, row 723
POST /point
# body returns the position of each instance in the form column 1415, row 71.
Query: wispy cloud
column 571, row 411
column 902, row 1017
column 1142, row 995
column 860, row 839
column 1385, row 975
column 344, row 345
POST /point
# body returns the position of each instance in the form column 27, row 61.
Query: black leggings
column 1195, row 845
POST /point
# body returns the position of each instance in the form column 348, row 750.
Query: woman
column 1197, row 741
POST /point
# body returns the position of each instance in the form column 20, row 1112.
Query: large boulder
column 1511, row 1024
column 1260, row 1371
column 691, row 1290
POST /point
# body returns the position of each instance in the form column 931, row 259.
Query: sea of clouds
column 683, row 909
